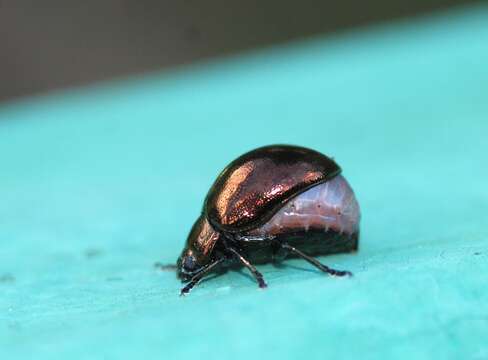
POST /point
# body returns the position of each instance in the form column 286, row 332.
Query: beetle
column 270, row 203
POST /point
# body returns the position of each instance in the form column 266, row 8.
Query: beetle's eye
column 189, row 263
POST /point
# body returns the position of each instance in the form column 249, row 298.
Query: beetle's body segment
column 329, row 205
column 268, row 203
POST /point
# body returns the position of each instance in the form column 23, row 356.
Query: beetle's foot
column 186, row 290
column 261, row 283
column 335, row 272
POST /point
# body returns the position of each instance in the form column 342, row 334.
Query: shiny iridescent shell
column 257, row 184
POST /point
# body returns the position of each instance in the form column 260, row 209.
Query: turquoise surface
column 99, row 183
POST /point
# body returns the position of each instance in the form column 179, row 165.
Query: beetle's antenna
column 165, row 267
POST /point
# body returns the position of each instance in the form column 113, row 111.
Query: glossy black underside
column 312, row 242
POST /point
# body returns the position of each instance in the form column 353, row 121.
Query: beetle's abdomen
column 327, row 206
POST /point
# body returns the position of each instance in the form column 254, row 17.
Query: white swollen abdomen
column 327, row 206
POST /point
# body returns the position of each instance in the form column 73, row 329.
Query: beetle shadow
column 210, row 277
column 243, row 273
column 7, row 278
column 281, row 265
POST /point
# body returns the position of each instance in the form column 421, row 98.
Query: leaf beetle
column 272, row 202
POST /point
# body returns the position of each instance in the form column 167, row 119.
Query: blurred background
column 52, row 44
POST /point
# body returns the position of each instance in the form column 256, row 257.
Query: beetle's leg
column 196, row 278
column 257, row 275
column 315, row 262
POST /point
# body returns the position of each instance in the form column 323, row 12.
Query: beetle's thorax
column 203, row 238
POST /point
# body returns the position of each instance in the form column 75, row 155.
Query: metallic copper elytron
column 266, row 204
column 253, row 187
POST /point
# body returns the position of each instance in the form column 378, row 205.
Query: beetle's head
column 198, row 251
column 188, row 264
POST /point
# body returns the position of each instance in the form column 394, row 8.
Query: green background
column 99, row 183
